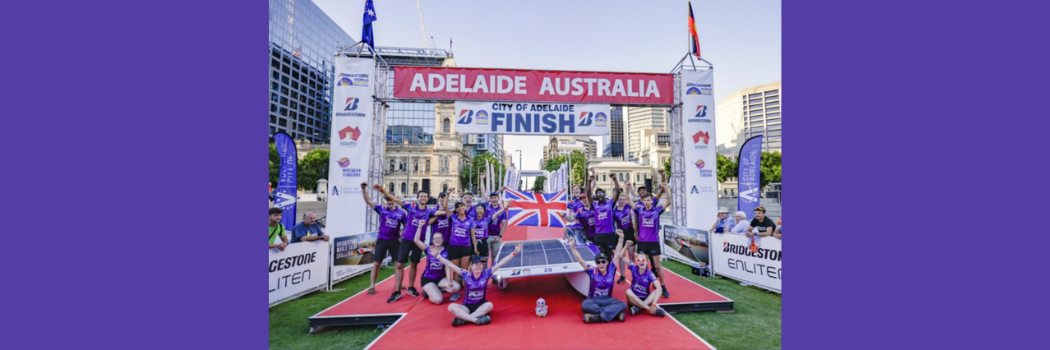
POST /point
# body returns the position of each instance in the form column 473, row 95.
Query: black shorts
column 483, row 247
column 409, row 249
column 606, row 241
column 423, row 280
column 474, row 307
column 386, row 247
column 649, row 248
column 628, row 235
column 456, row 252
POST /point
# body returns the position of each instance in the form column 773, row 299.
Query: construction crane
column 419, row 13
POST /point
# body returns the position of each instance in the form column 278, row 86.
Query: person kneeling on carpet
column 475, row 282
column 638, row 295
column 436, row 278
column 600, row 306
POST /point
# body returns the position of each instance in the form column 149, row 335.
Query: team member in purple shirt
column 624, row 215
column 642, row 191
column 475, row 282
column 481, row 229
column 436, row 277
column 496, row 226
column 418, row 215
column 468, row 199
column 648, row 234
column 584, row 215
column 600, row 306
column 391, row 218
column 440, row 222
column 604, row 237
column 638, row 295
column 461, row 241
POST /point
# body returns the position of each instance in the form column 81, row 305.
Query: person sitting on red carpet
column 638, row 295
column 475, row 282
column 600, row 306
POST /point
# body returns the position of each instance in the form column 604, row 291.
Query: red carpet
column 514, row 322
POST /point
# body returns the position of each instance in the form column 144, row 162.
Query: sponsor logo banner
column 353, row 254
column 733, row 258
column 301, row 267
column 351, row 145
column 451, row 83
column 532, row 118
column 700, row 148
column 687, row 244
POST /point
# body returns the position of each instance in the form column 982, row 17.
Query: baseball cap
column 723, row 210
column 601, row 256
column 475, row 259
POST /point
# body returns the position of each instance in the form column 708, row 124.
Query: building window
column 391, row 169
column 391, row 187
column 754, row 95
column 446, row 126
column 444, row 188
column 415, row 187
column 773, row 104
column 772, row 92
column 428, row 165
column 404, row 187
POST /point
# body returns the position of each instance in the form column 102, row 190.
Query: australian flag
column 366, row 30
column 532, row 209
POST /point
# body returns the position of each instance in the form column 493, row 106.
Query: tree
column 667, row 167
column 770, row 168
column 472, row 175
column 312, row 168
column 538, row 184
column 275, row 165
column 727, row 168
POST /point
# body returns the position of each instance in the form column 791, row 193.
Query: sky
column 741, row 38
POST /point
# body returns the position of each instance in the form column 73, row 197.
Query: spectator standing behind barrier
column 724, row 222
column 308, row 230
column 761, row 225
column 741, row 223
column 277, row 231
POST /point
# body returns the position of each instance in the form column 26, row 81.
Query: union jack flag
column 530, row 209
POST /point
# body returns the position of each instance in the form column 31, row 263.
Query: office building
column 746, row 113
column 303, row 42
column 638, row 120
column 614, row 143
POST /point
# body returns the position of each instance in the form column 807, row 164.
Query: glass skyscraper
column 303, row 42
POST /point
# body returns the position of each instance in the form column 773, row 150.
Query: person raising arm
column 475, row 307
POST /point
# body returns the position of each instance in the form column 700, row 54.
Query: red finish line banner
column 452, row 83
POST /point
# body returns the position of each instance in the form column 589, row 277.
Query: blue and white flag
column 366, row 30
column 285, row 197
column 750, row 175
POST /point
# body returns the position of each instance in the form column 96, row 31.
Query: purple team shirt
column 460, row 236
column 649, row 224
column 417, row 216
column 640, row 282
column 497, row 221
column 475, row 287
column 623, row 217
column 481, row 227
column 603, row 216
column 389, row 222
column 435, row 269
column 572, row 206
column 602, row 286
column 440, row 225
column 586, row 219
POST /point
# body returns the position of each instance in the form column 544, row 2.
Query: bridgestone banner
column 350, row 145
column 300, row 268
column 452, row 83
column 532, row 118
column 353, row 254
column 732, row 258
column 698, row 125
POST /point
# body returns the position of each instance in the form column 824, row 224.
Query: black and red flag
column 694, row 39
